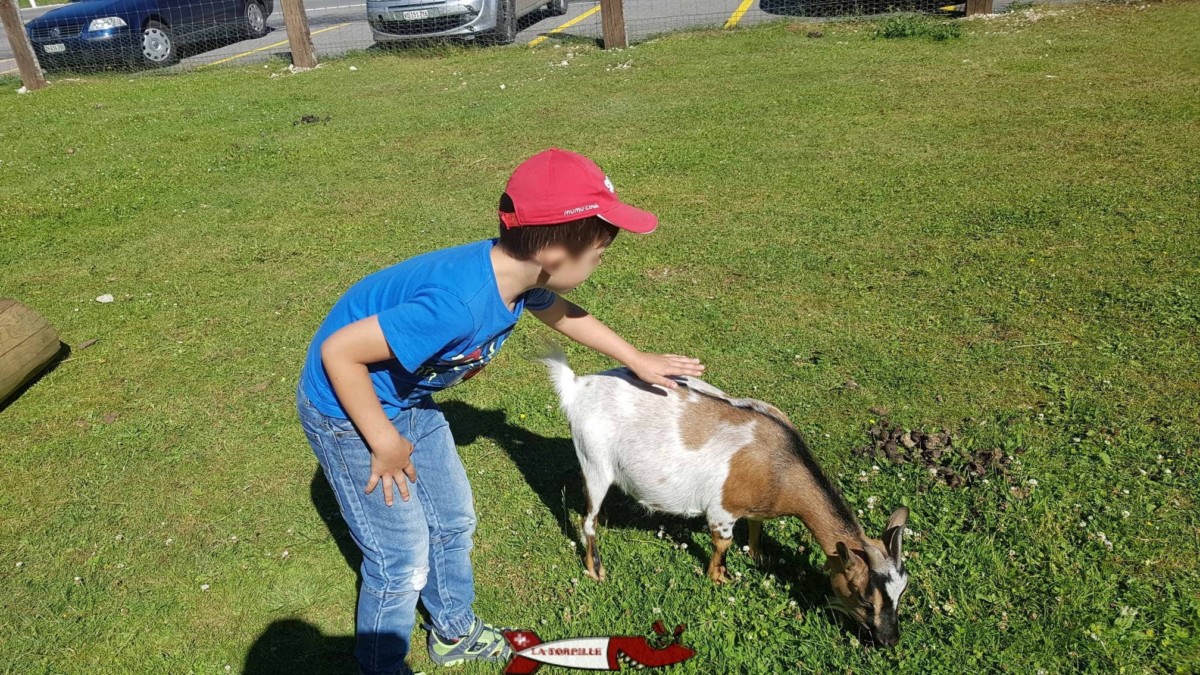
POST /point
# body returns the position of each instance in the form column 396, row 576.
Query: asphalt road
column 338, row 26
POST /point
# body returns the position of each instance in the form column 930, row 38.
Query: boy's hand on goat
column 391, row 462
column 657, row 368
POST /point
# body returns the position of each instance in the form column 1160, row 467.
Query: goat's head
column 868, row 581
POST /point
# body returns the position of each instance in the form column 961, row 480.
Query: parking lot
column 338, row 27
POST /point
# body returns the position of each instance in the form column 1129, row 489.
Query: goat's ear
column 849, row 560
column 893, row 534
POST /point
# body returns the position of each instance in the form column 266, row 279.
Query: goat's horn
column 874, row 556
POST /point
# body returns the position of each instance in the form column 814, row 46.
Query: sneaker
column 483, row 642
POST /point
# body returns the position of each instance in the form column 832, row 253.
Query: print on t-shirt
column 454, row 369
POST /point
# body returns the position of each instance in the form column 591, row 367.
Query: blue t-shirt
column 442, row 315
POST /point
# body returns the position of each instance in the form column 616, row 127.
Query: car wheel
column 158, row 45
column 254, row 19
column 557, row 7
column 506, row 24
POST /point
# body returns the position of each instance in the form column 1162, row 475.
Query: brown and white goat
column 696, row 451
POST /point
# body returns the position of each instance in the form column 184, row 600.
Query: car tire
column 254, row 19
column 158, row 46
column 505, row 31
column 557, row 7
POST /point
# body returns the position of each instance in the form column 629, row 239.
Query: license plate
column 54, row 49
column 416, row 14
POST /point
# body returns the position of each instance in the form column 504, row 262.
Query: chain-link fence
column 151, row 35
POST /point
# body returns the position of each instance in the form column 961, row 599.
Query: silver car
column 493, row 21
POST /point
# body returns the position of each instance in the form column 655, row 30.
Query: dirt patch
column 935, row 451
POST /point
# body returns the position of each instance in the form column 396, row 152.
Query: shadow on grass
column 838, row 8
column 296, row 647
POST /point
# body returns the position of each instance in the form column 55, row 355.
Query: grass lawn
column 994, row 234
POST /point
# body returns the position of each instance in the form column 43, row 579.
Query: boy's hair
column 577, row 236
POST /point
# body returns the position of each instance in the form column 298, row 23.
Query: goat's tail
column 560, row 373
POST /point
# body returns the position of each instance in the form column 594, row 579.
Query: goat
column 696, row 451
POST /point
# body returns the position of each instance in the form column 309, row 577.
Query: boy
column 420, row 326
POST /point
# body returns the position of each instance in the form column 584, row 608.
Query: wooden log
column 27, row 345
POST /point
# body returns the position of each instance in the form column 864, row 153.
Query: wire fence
column 172, row 35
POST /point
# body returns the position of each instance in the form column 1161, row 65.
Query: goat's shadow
column 550, row 467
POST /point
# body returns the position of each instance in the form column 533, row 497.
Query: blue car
column 145, row 33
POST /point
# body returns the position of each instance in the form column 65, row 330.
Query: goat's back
column 669, row 448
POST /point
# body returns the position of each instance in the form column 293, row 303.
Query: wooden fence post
column 27, row 63
column 612, row 16
column 979, row 7
column 299, row 37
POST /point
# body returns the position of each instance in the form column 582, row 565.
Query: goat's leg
column 756, row 527
column 722, row 537
column 596, row 484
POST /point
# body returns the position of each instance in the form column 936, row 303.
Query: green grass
column 994, row 234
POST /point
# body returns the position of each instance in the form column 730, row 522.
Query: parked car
column 493, row 21
column 140, row 32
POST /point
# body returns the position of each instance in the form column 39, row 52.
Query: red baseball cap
column 557, row 186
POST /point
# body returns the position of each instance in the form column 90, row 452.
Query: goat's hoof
column 718, row 576
column 601, row 576
column 756, row 557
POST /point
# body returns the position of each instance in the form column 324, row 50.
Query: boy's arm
column 576, row 323
column 345, row 355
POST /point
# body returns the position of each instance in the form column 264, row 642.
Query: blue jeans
column 415, row 548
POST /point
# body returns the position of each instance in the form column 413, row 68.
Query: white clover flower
column 204, row 587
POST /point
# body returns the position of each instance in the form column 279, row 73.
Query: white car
column 494, row 21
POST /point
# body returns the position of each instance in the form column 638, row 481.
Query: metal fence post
column 299, row 37
column 31, row 72
column 612, row 16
